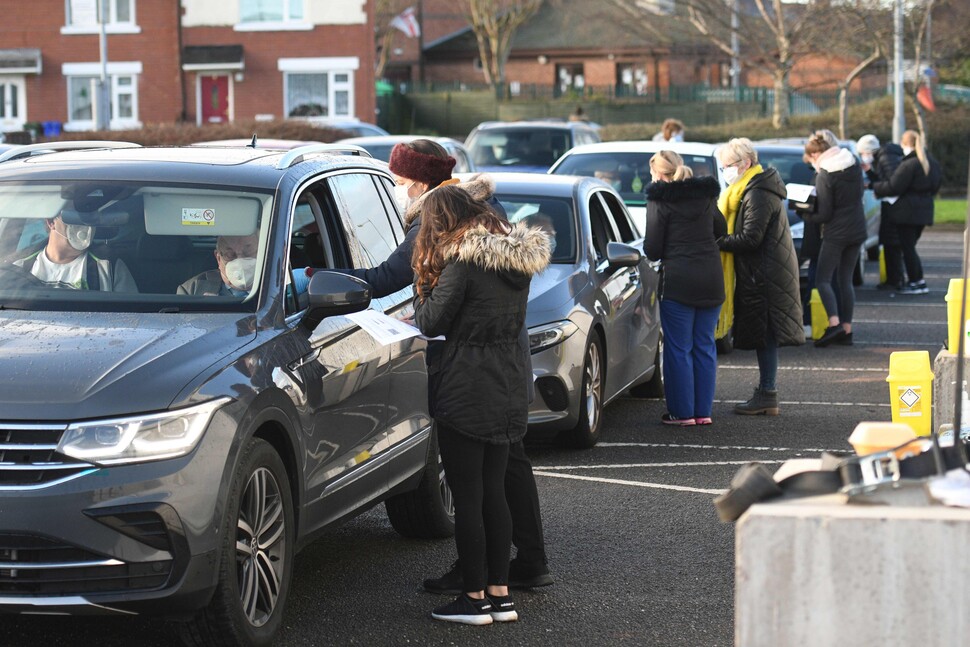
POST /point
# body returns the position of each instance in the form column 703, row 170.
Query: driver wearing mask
column 236, row 258
column 65, row 261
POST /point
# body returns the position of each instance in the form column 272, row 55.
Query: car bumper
column 558, row 374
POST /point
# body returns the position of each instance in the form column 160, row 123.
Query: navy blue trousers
column 690, row 358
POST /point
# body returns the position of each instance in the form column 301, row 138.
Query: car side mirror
column 331, row 294
column 623, row 255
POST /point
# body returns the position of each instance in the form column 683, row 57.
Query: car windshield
column 118, row 246
column 628, row 173
column 789, row 164
column 553, row 215
column 379, row 151
column 532, row 147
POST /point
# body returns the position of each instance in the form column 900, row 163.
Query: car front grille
column 34, row 565
column 28, row 457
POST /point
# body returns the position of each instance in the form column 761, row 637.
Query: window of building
column 570, row 79
column 256, row 15
column 318, row 87
column 82, row 93
column 81, row 16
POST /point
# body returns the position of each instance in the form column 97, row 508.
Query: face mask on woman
column 401, row 196
column 731, row 174
column 867, row 158
column 240, row 272
column 907, row 150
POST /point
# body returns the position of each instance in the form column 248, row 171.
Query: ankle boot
column 763, row 402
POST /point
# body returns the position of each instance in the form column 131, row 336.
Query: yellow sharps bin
column 911, row 389
column 955, row 327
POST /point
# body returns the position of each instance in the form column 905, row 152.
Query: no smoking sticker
column 198, row 217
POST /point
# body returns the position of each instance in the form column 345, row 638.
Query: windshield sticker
column 199, row 217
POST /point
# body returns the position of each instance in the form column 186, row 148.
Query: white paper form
column 384, row 329
column 800, row 192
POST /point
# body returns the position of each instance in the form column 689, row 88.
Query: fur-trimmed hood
column 517, row 256
column 680, row 190
column 479, row 186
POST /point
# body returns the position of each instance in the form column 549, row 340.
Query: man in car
column 236, row 260
column 65, row 261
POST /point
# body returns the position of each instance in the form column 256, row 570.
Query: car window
column 553, row 215
column 789, row 164
column 127, row 246
column 535, row 147
column 359, row 202
column 601, row 226
column 620, row 217
column 462, row 163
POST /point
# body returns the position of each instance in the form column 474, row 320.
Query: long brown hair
column 447, row 213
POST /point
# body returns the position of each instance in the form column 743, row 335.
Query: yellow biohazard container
column 955, row 327
column 882, row 264
column 911, row 389
column 820, row 319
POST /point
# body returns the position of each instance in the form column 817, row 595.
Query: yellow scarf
column 729, row 202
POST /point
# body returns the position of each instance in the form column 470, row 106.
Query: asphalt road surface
column 634, row 543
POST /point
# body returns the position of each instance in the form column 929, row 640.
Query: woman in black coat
column 916, row 182
column 838, row 209
column 767, row 310
column 879, row 163
column 472, row 271
column 683, row 223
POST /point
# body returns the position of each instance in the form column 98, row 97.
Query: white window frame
column 115, row 70
column 331, row 66
column 287, row 24
column 113, row 26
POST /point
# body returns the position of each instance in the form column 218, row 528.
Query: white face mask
column 78, row 236
column 867, row 158
column 731, row 174
column 401, row 196
column 678, row 136
column 240, row 272
column 907, row 150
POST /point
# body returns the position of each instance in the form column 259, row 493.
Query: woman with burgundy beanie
column 418, row 167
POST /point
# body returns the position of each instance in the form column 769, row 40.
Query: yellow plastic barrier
column 882, row 264
column 954, row 327
column 911, row 389
column 820, row 319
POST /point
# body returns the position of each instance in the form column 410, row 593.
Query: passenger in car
column 236, row 260
column 472, row 274
column 65, row 261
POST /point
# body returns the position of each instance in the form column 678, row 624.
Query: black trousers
column 523, row 500
column 483, row 524
column 908, row 237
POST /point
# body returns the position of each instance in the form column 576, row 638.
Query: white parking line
column 818, row 404
column 656, row 486
column 895, row 322
column 897, row 304
column 622, row 466
column 720, row 447
column 835, row 369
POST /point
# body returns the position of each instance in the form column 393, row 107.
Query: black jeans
column 838, row 260
column 483, row 524
column 523, row 499
column 908, row 237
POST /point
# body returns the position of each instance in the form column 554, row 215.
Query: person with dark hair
column 472, row 272
column 915, row 181
column 419, row 167
column 683, row 223
column 879, row 163
column 839, row 211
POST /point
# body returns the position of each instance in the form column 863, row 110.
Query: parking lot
column 634, row 543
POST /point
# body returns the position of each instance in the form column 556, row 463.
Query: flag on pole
column 407, row 21
column 925, row 97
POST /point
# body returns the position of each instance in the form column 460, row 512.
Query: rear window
column 555, row 216
column 532, row 147
column 789, row 165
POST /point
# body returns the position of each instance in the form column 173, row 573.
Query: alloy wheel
column 260, row 546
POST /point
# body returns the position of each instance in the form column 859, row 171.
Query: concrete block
column 819, row 572
column 944, row 375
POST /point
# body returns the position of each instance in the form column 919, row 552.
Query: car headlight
column 548, row 335
column 136, row 439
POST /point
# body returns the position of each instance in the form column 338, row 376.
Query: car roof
column 645, row 146
column 268, row 143
column 554, row 124
column 563, row 186
column 396, row 139
column 232, row 166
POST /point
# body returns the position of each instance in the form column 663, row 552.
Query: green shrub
column 185, row 134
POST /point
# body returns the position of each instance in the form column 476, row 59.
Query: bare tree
column 918, row 18
column 494, row 23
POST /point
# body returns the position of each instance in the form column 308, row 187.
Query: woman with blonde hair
column 683, row 224
column 767, row 311
column 915, row 181
column 472, row 272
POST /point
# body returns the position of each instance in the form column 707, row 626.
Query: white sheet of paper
column 890, row 199
column 799, row 192
column 386, row 330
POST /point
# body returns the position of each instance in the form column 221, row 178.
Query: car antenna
column 252, row 144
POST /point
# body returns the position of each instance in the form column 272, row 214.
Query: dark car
column 593, row 316
column 525, row 146
column 166, row 449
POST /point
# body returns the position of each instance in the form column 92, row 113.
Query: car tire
column 256, row 563
column 586, row 433
column 654, row 388
column 726, row 343
column 427, row 512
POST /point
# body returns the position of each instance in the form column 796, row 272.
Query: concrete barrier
column 818, row 571
column 944, row 375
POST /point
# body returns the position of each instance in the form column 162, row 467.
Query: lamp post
column 103, row 106
column 899, row 119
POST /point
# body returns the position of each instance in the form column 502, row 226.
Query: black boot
column 763, row 402
column 832, row 334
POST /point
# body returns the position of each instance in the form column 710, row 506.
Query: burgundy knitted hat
column 409, row 163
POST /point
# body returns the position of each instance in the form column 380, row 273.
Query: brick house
column 248, row 59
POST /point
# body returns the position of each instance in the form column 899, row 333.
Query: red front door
column 214, row 92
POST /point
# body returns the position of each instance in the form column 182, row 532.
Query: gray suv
column 178, row 416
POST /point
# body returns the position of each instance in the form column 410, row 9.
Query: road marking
column 898, row 323
column 898, row 304
column 657, row 486
column 721, row 447
column 817, row 404
column 834, row 369
column 896, row 343
column 622, row 466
